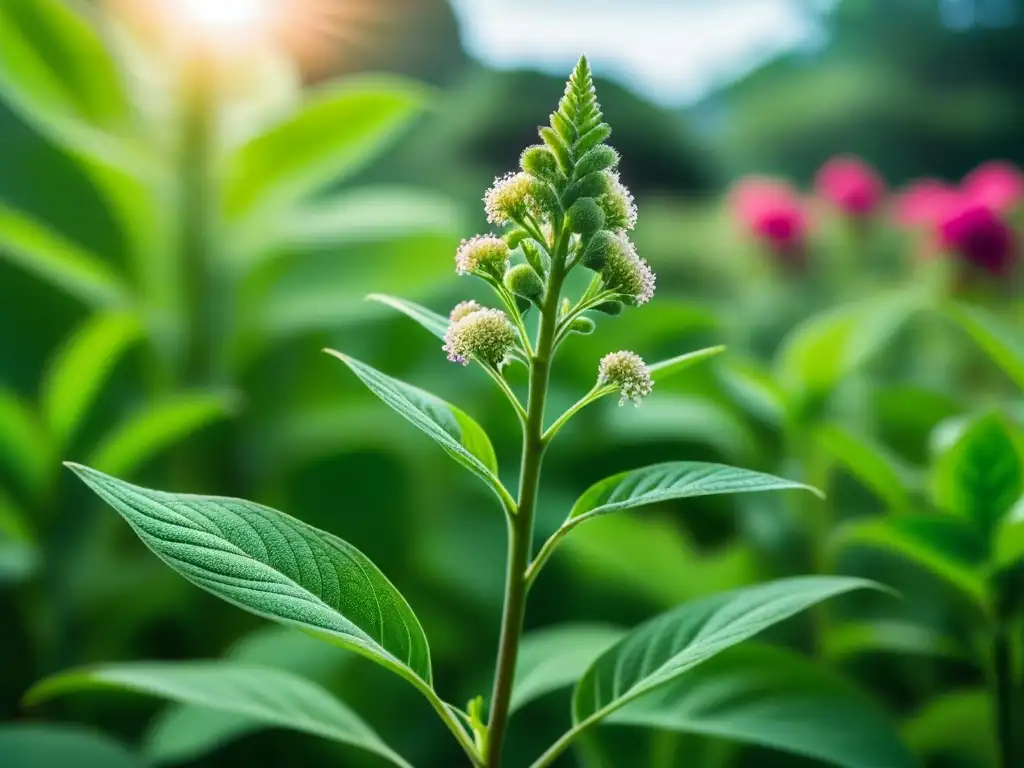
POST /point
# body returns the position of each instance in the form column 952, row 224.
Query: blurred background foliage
column 113, row 352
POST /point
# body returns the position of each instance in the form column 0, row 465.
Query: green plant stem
column 1002, row 671
column 521, row 524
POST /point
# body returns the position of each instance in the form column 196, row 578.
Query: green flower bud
column 592, row 185
column 592, row 138
column 483, row 253
column 558, row 147
column 514, row 237
column 600, row 158
column 545, row 199
column 533, row 255
column 627, row 372
column 610, row 308
column 584, row 326
column 625, row 272
column 485, row 335
column 523, row 281
column 540, row 161
column 563, row 127
column 585, row 216
column 595, row 253
column 617, row 202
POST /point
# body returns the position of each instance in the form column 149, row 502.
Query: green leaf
column 960, row 723
column 184, row 733
column 270, row 696
column 24, row 443
column 773, row 698
column 673, row 480
column 37, row 745
column 461, row 437
column 58, row 261
column 80, row 369
column 666, row 369
column 19, row 556
column 997, row 342
column 660, row 650
column 339, row 129
column 869, row 463
column 981, row 475
column 157, row 427
column 433, row 322
column 947, row 547
column 850, row 639
column 1009, row 547
column 828, row 347
column 755, row 391
column 277, row 567
column 57, row 72
column 556, row 657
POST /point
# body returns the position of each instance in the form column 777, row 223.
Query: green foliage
column 49, row 746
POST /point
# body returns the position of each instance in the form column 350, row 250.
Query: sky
column 671, row 51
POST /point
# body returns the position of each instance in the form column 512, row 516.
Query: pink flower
column 925, row 202
column 851, row 185
column 773, row 212
column 997, row 184
column 979, row 236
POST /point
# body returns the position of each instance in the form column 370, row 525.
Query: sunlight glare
column 227, row 16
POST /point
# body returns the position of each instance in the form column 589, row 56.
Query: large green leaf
column 39, row 745
column 157, row 427
column 662, row 649
column 461, row 437
column 773, row 698
column 947, row 547
column 60, row 262
column 997, row 342
column 556, row 657
column 78, row 372
column 24, row 443
column 277, row 567
column 271, row 696
column 673, row 480
column 340, row 128
column 57, row 71
column 184, row 732
column 868, row 462
column 981, row 475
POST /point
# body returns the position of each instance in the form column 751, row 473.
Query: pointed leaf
column 461, row 437
column 340, row 128
column 869, row 463
column 185, row 732
column 157, row 427
column 662, row 649
column 277, row 567
column 981, row 475
column 60, row 262
column 666, row 369
column 773, row 698
column 24, row 444
column 673, row 480
column 556, row 657
column 1009, row 546
column 433, row 322
column 998, row 343
column 270, row 696
column 947, row 547
column 39, row 745
column 80, row 369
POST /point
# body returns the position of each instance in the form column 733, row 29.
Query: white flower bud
column 463, row 309
column 484, row 334
column 618, row 205
column 483, row 253
column 624, row 271
column 509, row 198
column 628, row 373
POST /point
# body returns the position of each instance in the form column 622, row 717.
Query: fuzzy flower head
column 925, row 202
column 482, row 253
column 773, row 213
column 980, row 237
column 509, row 197
column 627, row 273
column 482, row 334
column 617, row 202
column 627, row 372
column 463, row 309
column 996, row 184
column 851, row 185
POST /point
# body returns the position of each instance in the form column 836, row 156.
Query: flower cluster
column 482, row 253
column 772, row 211
column 625, row 272
column 627, row 372
column 476, row 333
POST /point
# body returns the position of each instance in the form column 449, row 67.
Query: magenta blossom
column 926, row 202
column 996, row 184
column 773, row 212
column 851, row 185
column 979, row 236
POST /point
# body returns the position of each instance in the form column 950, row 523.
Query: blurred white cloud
column 672, row 51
